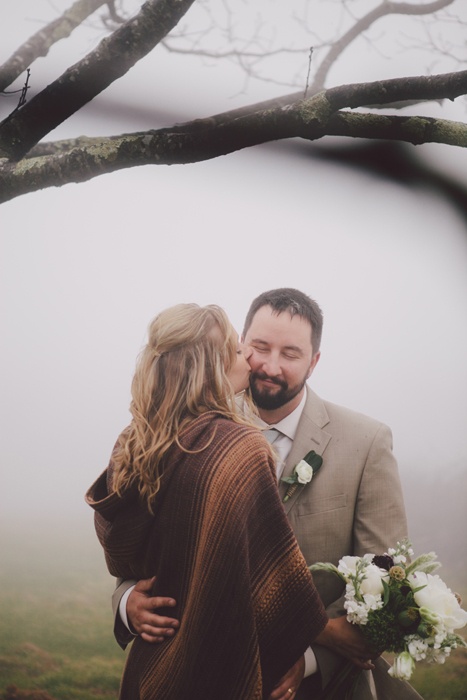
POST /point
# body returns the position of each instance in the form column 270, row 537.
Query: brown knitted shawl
column 221, row 545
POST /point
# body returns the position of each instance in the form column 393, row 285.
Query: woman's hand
column 287, row 687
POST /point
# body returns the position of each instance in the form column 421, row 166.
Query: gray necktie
column 271, row 435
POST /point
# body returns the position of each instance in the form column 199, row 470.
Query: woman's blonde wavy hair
column 180, row 374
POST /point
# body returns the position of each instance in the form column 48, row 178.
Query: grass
column 56, row 640
column 56, row 622
column 62, row 646
column 447, row 682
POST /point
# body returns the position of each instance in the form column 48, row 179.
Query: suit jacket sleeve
column 380, row 519
column 379, row 522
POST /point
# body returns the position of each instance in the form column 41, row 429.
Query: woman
column 190, row 496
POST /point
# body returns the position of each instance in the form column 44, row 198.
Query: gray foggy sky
column 85, row 267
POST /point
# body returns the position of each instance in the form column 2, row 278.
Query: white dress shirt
column 287, row 428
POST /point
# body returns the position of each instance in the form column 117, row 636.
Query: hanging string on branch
column 22, row 98
column 307, row 83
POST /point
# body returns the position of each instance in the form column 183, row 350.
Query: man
column 353, row 505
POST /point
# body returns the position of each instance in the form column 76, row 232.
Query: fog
column 85, row 267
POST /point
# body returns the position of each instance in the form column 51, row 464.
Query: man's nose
column 271, row 366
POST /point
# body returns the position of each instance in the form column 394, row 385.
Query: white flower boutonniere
column 303, row 473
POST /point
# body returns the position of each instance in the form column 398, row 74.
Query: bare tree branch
column 114, row 56
column 325, row 113
column 384, row 9
column 221, row 41
column 432, row 87
column 209, row 138
column 40, row 43
column 414, row 130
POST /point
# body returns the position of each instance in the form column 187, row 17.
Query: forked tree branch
column 83, row 159
column 114, row 56
column 384, row 9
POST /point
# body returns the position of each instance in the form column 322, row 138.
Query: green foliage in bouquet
column 400, row 606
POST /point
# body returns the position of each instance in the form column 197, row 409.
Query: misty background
column 85, row 267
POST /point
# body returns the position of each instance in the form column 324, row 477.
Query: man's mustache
column 263, row 375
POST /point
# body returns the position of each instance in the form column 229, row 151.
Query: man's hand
column 289, row 682
column 346, row 639
column 140, row 609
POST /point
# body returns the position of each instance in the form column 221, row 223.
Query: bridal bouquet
column 401, row 606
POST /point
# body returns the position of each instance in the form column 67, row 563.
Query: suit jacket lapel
column 309, row 436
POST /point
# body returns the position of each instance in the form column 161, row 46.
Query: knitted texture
column 220, row 544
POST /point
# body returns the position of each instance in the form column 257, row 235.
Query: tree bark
column 114, row 56
column 39, row 44
column 79, row 160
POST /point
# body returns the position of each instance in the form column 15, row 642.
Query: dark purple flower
column 384, row 561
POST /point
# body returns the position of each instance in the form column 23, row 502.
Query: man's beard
column 269, row 402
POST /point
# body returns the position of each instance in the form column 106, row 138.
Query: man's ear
column 313, row 363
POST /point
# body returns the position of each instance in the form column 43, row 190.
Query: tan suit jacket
column 354, row 505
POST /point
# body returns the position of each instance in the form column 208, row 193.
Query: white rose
column 373, row 581
column 304, row 472
column 403, row 666
column 439, row 599
column 348, row 566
